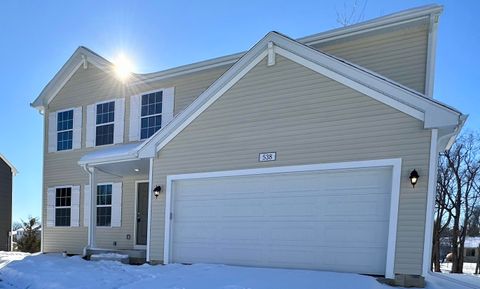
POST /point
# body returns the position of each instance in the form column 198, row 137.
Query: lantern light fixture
column 156, row 191
column 414, row 177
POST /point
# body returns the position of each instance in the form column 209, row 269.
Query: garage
column 310, row 217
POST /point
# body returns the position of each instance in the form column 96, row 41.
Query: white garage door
column 326, row 220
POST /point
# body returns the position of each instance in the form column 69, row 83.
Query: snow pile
column 110, row 257
column 7, row 257
column 54, row 271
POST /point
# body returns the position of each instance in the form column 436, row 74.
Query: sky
column 37, row 38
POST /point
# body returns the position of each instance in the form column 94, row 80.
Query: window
column 470, row 252
column 104, row 205
column 151, row 117
column 64, row 130
column 63, row 202
column 104, row 121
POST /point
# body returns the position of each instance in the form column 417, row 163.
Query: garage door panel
column 335, row 220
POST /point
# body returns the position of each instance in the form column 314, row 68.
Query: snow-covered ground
column 468, row 268
column 55, row 271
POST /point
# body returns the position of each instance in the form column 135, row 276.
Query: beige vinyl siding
column 306, row 118
column 399, row 54
column 88, row 86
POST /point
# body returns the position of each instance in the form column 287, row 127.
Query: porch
column 117, row 198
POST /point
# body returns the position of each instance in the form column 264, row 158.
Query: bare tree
column 458, row 193
column 352, row 15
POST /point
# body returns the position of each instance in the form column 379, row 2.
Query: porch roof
column 111, row 154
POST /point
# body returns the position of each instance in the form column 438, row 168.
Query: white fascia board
column 391, row 20
column 377, row 23
column 220, row 86
column 436, row 114
column 66, row 72
column 12, row 168
column 417, row 106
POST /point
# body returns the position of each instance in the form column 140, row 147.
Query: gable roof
column 433, row 113
column 83, row 54
column 14, row 170
column 81, row 57
column 390, row 20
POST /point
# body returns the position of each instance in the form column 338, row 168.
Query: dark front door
column 142, row 213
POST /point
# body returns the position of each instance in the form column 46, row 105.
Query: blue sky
column 39, row 36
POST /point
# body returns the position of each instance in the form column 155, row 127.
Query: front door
column 142, row 214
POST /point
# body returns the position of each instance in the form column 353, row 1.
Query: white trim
column 135, row 246
column 13, row 169
column 432, row 113
column 149, row 224
column 64, row 81
column 191, row 110
column 392, row 20
column 104, row 206
column 431, row 192
column 431, row 53
column 396, row 165
column 353, row 84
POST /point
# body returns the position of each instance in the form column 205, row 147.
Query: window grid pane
column 104, row 135
column 151, row 120
column 63, row 199
column 105, row 112
column 64, row 130
column 104, row 203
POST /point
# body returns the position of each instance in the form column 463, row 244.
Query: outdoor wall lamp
column 414, row 177
column 157, row 191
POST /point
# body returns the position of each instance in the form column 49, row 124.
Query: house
column 472, row 249
column 273, row 157
column 7, row 171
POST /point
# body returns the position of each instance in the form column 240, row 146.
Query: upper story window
column 65, row 130
column 104, row 205
column 105, row 123
column 63, row 202
column 151, row 114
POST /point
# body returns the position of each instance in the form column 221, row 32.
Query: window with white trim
column 63, row 203
column 151, row 114
column 104, row 129
column 64, row 130
column 104, row 205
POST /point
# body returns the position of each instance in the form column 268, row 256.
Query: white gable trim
column 433, row 114
column 352, row 84
column 14, row 170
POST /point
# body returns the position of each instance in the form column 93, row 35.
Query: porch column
column 93, row 209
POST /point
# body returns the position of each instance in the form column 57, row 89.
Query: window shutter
column 51, row 207
column 119, row 120
column 90, row 142
column 116, row 204
column 52, row 132
column 168, row 105
column 87, row 196
column 134, row 131
column 77, row 128
column 75, row 207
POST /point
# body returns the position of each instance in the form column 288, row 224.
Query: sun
column 123, row 67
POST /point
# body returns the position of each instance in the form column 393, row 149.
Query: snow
column 125, row 150
column 55, row 271
column 468, row 269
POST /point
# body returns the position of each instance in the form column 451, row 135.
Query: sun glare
column 123, row 67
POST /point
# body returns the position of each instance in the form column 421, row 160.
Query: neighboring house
column 19, row 234
column 273, row 157
column 472, row 249
column 7, row 171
